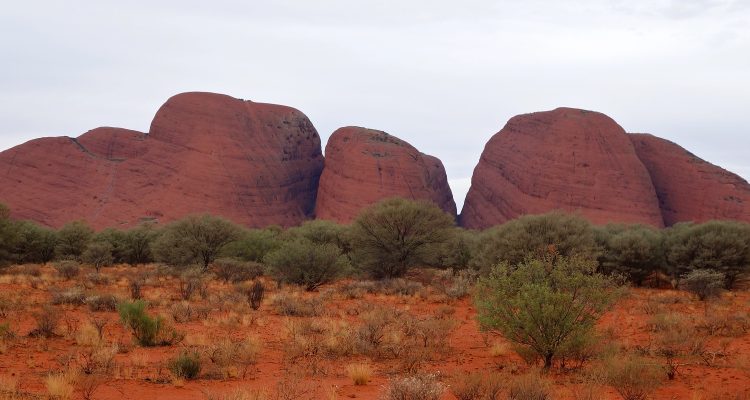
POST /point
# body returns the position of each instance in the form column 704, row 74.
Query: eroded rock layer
column 689, row 188
column 565, row 159
column 364, row 166
column 256, row 164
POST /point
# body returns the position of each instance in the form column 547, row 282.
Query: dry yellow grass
column 360, row 373
column 60, row 386
column 88, row 335
column 499, row 350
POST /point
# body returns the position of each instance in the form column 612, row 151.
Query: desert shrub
column 544, row 304
column 254, row 244
column 372, row 333
column 512, row 242
column 303, row 262
column 73, row 297
column 147, row 331
column 231, row 270
column 632, row 378
column 457, row 251
column 136, row 287
column 72, row 240
column 96, row 278
column 323, row 232
column 529, row 387
column 703, row 283
column 192, row 283
column 46, row 323
column 635, row 251
column 27, row 242
column 67, row 269
column 359, row 373
column 98, row 254
column 417, row 387
column 102, row 302
column 226, row 354
column 458, row 283
column 194, row 239
column 720, row 246
column 296, row 306
column 187, row 365
column 729, row 322
column 394, row 235
column 185, row 312
column 477, row 386
column 254, row 293
column 25, row 269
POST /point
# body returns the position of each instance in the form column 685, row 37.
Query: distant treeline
column 386, row 241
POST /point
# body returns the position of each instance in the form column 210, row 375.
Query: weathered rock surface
column 689, row 188
column 364, row 166
column 256, row 164
column 565, row 159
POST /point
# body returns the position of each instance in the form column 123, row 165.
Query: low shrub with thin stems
column 187, row 365
column 67, row 269
column 46, row 323
column 633, row 378
column 421, row 387
column 703, row 283
column 477, row 386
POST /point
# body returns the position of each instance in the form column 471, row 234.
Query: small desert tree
column 396, row 234
column 72, row 240
column 544, row 304
column 98, row 254
column 303, row 262
column 196, row 238
column 33, row 243
column 138, row 244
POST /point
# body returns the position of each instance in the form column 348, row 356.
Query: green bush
column 544, row 304
column 72, row 240
column 254, row 244
column 186, row 365
column 565, row 234
column 635, row 252
column 394, row 235
column 703, row 283
column 147, row 331
column 232, row 270
column 27, row 242
column 194, row 239
column 716, row 245
column 304, row 262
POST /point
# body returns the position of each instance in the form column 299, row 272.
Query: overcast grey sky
column 443, row 75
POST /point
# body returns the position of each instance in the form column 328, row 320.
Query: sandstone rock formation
column 364, row 166
column 565, row 159
column 256, row 164
column 690, row 189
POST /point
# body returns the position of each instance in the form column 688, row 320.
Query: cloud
column 442, row 76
